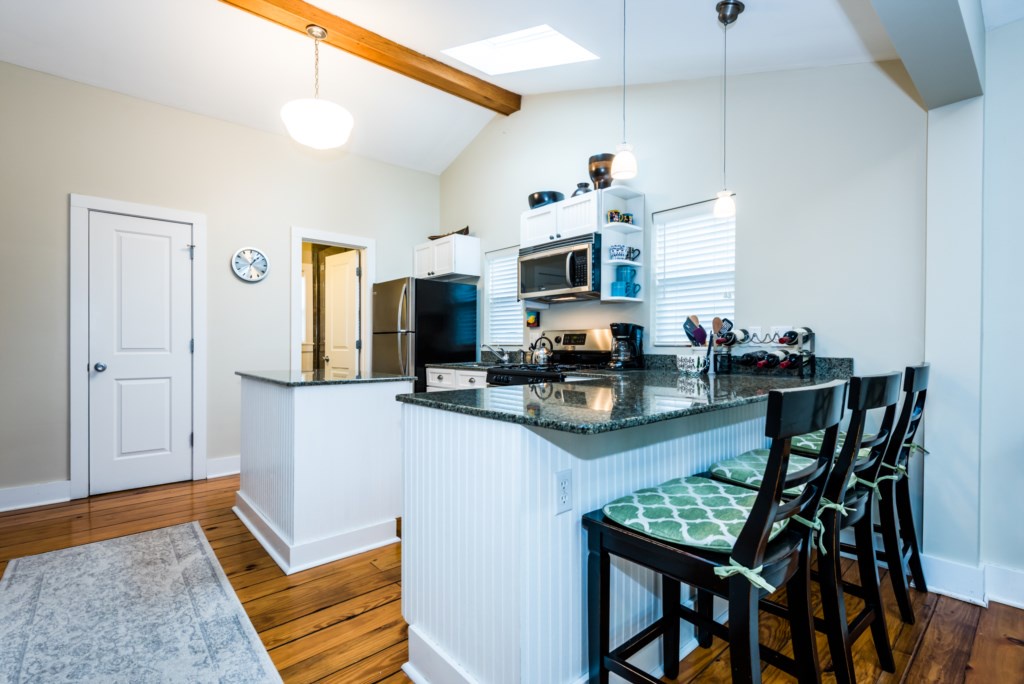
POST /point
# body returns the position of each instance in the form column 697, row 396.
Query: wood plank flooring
column 342, row 622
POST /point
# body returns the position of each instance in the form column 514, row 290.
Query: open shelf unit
column 622, row 199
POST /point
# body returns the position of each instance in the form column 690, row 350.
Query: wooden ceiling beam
column 354, row 39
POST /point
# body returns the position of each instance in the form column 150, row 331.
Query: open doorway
column 330, row 280
column 331, row 284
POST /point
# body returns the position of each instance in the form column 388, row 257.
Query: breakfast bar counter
column 321, row 474
column 495, row 483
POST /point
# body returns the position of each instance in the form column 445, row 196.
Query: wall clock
column 250, row 264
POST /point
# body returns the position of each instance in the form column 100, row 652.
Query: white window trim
column 657, row 339
column 507, row 252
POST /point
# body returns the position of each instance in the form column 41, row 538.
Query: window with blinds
column 504, row 311
column 694, row 270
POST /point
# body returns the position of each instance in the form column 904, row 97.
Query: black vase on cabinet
column 601, row 170
column 581, row 189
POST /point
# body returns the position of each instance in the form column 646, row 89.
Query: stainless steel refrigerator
column 421, row 322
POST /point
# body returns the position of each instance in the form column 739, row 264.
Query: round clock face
column 250, row 264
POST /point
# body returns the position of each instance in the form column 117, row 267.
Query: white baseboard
column 28, row 496
column 292, row 558
column 222, row 466
column 953, row 579
column 1004, row 585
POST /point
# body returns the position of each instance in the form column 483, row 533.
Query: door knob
column 100, row 367
column 327, row 359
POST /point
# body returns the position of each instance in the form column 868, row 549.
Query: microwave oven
column 561, row 271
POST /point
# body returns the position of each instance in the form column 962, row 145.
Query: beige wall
column 828, row 165
column 58, row 137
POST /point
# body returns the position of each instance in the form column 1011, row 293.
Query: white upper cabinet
column 561, row 220
column 449, row 258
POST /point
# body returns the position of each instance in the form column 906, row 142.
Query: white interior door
column 341, row 314
column 140, row 329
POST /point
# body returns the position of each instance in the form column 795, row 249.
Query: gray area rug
column 151, row 607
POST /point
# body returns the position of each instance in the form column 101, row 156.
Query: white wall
column 58, row 137
column 829, row 170
column 1002, row 440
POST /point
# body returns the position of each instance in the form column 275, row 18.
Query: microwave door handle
column 568, row 268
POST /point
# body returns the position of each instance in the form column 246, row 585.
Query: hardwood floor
column 342, row 622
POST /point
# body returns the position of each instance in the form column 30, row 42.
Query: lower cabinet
column 442, row 379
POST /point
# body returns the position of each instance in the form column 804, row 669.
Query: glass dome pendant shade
column 725, row 205
column 316, row 123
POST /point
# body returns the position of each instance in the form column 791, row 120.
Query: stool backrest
column 915, row 391
column 866, row 394
column 790, row 413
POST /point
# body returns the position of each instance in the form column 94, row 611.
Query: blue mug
column 625, row 273
column 624, row 289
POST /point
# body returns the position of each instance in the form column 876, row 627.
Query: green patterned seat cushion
column 748, row 469
column 811, row 443
column 691, row 511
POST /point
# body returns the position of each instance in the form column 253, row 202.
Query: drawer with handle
column 470, row 379
column 441, row 377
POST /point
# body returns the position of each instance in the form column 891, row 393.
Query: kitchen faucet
column 500, row 353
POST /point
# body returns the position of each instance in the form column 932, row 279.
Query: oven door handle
column 568, row 268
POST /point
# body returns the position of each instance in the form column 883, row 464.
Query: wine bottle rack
column 725, row 363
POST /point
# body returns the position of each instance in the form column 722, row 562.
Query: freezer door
column 392, row 353
column 392, row 304
column 446, row 320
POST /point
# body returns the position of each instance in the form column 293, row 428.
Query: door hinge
column 191, row 438
column 192, row 346
column 359, row 272
column 359, row 344
column 191, row 251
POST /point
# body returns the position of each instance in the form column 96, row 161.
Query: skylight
column 532, row 48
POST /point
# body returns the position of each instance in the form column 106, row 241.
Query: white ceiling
column 207, row 57
column 1000, row 12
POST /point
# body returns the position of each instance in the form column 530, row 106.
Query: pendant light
column 316, row 123
column 728, row 12
column 624, row 165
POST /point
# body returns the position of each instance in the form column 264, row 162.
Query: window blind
column 694, row 270
column 504, row 312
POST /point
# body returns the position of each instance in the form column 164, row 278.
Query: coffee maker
column 627, row 346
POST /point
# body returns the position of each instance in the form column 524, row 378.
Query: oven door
column 559, row 272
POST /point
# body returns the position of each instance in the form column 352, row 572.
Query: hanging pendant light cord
column 623, row 70
column 316, row 68
column 725, row 64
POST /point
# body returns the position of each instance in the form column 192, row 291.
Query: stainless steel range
column 571, row 350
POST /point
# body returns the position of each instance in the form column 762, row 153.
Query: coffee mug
column 632, row 253
column 625, row 273
column 617, row 252
column 623, row 289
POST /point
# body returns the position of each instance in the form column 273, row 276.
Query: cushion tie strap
column 754, row 576
column 874, row 485
column 914, row 446
column 826, row 504
column 817, row 530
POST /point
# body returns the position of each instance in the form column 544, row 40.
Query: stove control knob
column 558, row 339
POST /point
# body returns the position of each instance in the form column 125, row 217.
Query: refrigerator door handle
column 401, row 354
column 400, row 311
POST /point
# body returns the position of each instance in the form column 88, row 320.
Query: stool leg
column 744, row 647
column 670, row 595
column 598, row 600
column 909, row 532
column 893, row 551
column 830, row 570
column 705, row 608
column 865, row 536
column 801, row 621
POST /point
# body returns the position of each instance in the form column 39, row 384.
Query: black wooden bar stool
column 844, row 505
column 724, row 540
column 900, row 550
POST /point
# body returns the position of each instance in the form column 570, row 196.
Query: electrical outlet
column 563, row 491
column 778, row 331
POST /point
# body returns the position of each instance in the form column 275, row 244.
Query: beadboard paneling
column 268, row 453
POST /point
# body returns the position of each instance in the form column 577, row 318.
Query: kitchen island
column 321, row 474
column 493, row 585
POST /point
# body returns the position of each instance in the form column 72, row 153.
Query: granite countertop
column 612, row 400
column 310, row 378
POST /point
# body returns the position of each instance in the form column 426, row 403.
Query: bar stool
column 725, row 541
column 859, row 461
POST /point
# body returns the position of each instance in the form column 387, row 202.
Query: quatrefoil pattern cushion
column 748, row 469
column 691, row 511
column 811, row 443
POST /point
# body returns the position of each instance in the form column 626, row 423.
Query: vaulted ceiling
column 210, row 58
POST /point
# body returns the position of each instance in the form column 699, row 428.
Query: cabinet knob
column 472, row 381
column 551, row 237
column 440, row 377
column 558, row 235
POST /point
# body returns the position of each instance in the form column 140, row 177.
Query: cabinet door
column 578, row 215
column 470, row 379
column 537, row 226
column 424, row 260
column 444, row 256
